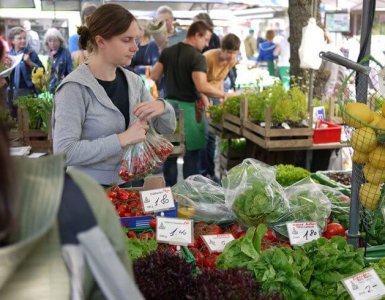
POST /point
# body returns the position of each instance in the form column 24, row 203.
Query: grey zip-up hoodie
column 86, row 123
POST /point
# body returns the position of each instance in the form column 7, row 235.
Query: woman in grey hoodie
column 100, row 108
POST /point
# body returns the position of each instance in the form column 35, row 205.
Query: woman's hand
column 147, row 110
column 136, row 133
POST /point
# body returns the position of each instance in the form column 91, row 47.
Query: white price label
column 302, row 232
column 381, row 81
column 365, row 286
column 157, row 200
column 217, row 242
column 174, row 231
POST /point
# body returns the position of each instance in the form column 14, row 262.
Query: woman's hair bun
column 84, row 36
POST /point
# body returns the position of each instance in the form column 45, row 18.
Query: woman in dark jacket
column 60, row 61
column 21, row 77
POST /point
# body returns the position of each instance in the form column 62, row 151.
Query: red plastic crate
column 331, row 134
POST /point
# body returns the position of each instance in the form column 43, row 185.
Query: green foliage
column 216, row 113
column 235, row 145
column 39, row 109
column 257, row 104
column 232, row 105
column 287, row 175
column 138, row 248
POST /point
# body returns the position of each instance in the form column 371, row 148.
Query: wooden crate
column 331, row 115
column 276, row 138
column 230, row 159
column 218, row 130
column 39, row 140
column 234, row 123
column 177, row 138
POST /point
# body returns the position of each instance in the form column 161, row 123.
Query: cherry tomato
column 112, row 194
column 153, row 223
column 333, row 229
column 270, row 236
column 131, row 234
column 148, row 235
column 210, row 261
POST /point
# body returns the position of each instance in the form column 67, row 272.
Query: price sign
column 381, row 81
column 302, row 232
column 217, row 242
column 174, row 231
column 365, row 286
column 157, row 200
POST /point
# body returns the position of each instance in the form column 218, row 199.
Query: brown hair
column 231, row 42
column 200, row 27
column 108, row 20
column 86, row 12
column 204, row 17
column 270, row 35
column 14, row 32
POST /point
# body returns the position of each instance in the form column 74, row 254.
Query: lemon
column 360, row 157
column 374, row 175
column 359, row 111
column 364, row 139
column 377, row 157
column 376, row 118
column 370, row 195
column 186, row 212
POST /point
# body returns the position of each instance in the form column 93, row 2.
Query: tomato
column 214, row 229
column 236, row 230
column 122, row 194
column 210, row 261
column 123, row 207
column 333, row 229
column 148, row 235
column 127, row 215
column 132, row 203
column 112, row 194
column 153, row 223
column 270, row 236
column 131, row 234
column 121, row 211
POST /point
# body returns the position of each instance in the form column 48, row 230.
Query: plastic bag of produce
column 254, row 195
column 202, row 199
column 340, row 205
column 143, row 158
column 307, row 203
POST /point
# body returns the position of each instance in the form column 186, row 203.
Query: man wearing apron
column 184, row 69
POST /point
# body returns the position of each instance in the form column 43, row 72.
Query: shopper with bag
column 185, row 77
column 100, row 108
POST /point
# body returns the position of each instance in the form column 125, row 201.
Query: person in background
column 175, row 33
column 184, row 69
column 148, row 51
column 215, row 42
column 266, row 52
column 219, row 63
column 250, row 45
column 101, row 108
column 3, row 40
column 158, row 31
column 282, row 51
column 33, row 40
column 87, row 10
column 20, row 83
column 59, row 58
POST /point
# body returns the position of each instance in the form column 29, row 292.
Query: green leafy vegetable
column 379, row 267
column 138, row 248
column 216, row 113
column 287, row 175
column 232, row 105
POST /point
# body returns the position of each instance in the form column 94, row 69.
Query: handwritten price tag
column 157, row 200
column 302, row 232
column 365, row 286
column 217, row 242
column 174, row 231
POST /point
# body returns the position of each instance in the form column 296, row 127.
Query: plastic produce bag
column 254, row 195
column 202, row 199
column 143, row 158
column 311, row 44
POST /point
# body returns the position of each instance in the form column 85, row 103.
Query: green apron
column 195, row 136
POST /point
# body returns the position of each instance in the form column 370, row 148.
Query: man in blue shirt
column 176, row 34
column 73, row 41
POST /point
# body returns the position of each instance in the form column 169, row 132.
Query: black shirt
column 179, row 61
column 117, row 90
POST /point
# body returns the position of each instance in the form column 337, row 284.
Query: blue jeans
column 191, row 164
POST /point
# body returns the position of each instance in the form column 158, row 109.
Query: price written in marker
column 217, row 242
column 174, row 231
column 157, row 200
column 365, row 286
column 302, row 232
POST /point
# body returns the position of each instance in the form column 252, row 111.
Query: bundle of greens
column 138, row 248
column 253, row 194
column 287, row 175
column 235, row 145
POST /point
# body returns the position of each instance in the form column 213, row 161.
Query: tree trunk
column 299, row 13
